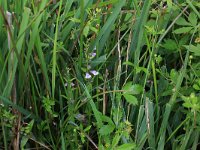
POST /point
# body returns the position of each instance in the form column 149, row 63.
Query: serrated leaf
column 183, row 40
column 193, row 18
column 106, row 129
column 183, row 30
column 131, row 99
column 130, row 88
column 115, row 140
column 170, row 45
column 127, row 146
column 174, row 75
column 182, row 22
column 194, row 49
column 107, row 119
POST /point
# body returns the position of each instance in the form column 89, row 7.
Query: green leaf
column 115, row 140
column 107, row 119
column 128, row 63
column 170, row 45
column 139, row 69
column 106, row 129
column 139, row 28
column 131, row 99
column 93, row 29
column 130, row 88
column 87, row 128
column 194, row 49
column 127, row 146
column 196, row 87
column 182, row 30
column 75, row 20
column 173, row 75
column 187, row 105
column 193, row 18
column 182, row 22
column 24, row 140
column 86, row 31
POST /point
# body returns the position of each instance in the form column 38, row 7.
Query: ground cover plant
column 99, row 74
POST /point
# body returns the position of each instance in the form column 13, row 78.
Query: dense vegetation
column 99, row 74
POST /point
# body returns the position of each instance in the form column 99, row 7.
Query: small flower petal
column 93, row 54
column 72, row 84
column 87, row 76
column 94, row 72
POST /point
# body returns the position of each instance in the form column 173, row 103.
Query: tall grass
column 93, row 74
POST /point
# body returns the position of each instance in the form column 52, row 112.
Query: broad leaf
column 106, row 129
column 182, row 22
column 194, row 49
column 130, row 88
column 86, row 31
column 170, row 45
column 193, row 19
column 183, row 30
column 131, row 99
column 127, row 146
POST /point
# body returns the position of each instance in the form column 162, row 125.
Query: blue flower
column 94, row 72
column 87, row 75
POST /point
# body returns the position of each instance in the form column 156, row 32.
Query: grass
column 95, row 74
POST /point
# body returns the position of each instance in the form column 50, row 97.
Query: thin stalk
column 55, row 52
column 13, row 92
column 81, row 36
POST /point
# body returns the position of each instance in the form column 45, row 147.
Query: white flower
column 87, row 76
column 72, row 84
column 93, row 54
column 94, row 72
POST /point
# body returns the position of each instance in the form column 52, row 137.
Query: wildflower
column 87, row 75
column 80, row 117
column 92, row 55
column 72, row 84
column 54, row 123
column 94, row 72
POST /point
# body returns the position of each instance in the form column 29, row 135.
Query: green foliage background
column 100, row 74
